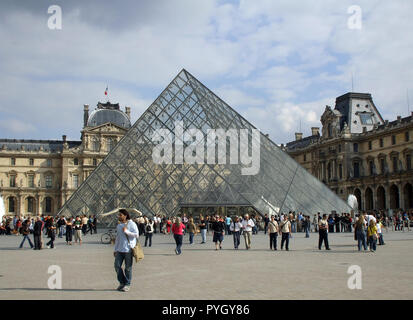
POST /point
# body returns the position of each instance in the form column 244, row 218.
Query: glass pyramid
column 128, row 177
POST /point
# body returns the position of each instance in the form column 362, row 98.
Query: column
column 37, row 211
column 18, row 204
column 387, row 196
column 401, row 196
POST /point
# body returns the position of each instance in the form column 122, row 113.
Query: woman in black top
column 69, row 231
column 218, row 226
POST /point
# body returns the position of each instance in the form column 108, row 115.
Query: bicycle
column 108, row 237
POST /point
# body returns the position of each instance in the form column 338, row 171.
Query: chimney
column 64, row 138
column 399, row 119
column 127, row 111
column 85, row 114
column 315, row 131
column 364, row 129
column 386, row 122
column 298, row 136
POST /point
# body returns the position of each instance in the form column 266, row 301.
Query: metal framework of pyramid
column 129, row 178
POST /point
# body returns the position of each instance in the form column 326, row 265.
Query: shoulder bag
column 137, row 251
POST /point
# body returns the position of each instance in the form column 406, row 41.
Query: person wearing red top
column 178, row 231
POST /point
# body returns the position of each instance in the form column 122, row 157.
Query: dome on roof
column 105, row 113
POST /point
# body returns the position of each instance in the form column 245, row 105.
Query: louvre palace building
column 38, row 176
column 112, row 165
column 357, row 152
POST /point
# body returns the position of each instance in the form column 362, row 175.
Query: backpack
column 148, row 228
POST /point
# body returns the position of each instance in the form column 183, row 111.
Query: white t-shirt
column 248, row 224
column 370, row 217
column 378, row 225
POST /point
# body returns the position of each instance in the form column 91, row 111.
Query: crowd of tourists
column 48, row 226
column 283, row 225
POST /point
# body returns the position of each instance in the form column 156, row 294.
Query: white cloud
column 275, row 61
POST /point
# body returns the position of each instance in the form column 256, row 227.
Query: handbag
column 137, row 251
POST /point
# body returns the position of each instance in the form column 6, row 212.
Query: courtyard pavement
column 200, row 272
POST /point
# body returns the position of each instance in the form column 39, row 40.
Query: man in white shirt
column 126, row 238
column 247, row 225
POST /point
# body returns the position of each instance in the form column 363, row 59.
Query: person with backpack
column 323, row 233
column 127, row 234
column 273, row 230
column 285, row 230
column 149, row 227
column 191, row 227
column 26, row 233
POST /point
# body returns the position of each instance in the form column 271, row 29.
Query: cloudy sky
column 278, row 63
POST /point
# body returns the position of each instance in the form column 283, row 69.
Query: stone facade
column 39, row 176
column 367, row 157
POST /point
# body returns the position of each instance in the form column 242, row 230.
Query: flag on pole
column 106, row 91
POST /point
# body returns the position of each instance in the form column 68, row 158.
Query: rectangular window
column 31, row 161
column 369, row 145
column 30, row 204
column 393, row 139
column 49, row 182
column 340, row 171
column 371, row 166
column 75, row 181
column 30, row 181
column 95, row 162
column 356, row 147
column 395, row 167
column 305, row 157
column 408, row 162
column 339, row 148
column 49, row 162
column 76, row 161
column 381, row 143
column 13, row 161
column 12, row 181
column 406, row 136
column 48, row 205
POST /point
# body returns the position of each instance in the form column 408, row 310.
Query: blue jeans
column 293, row 226
column 273, row 240
column 203, row 234
column 372, row 243
column 237, row 239
column 191, row 237
column 361, row 239
column 148, row 236
column 307, row 231
column 124, row 277
column 178, row 241
column 24, row 239
column 61, row 231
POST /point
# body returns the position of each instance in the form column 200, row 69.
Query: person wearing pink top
column 178, row 231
